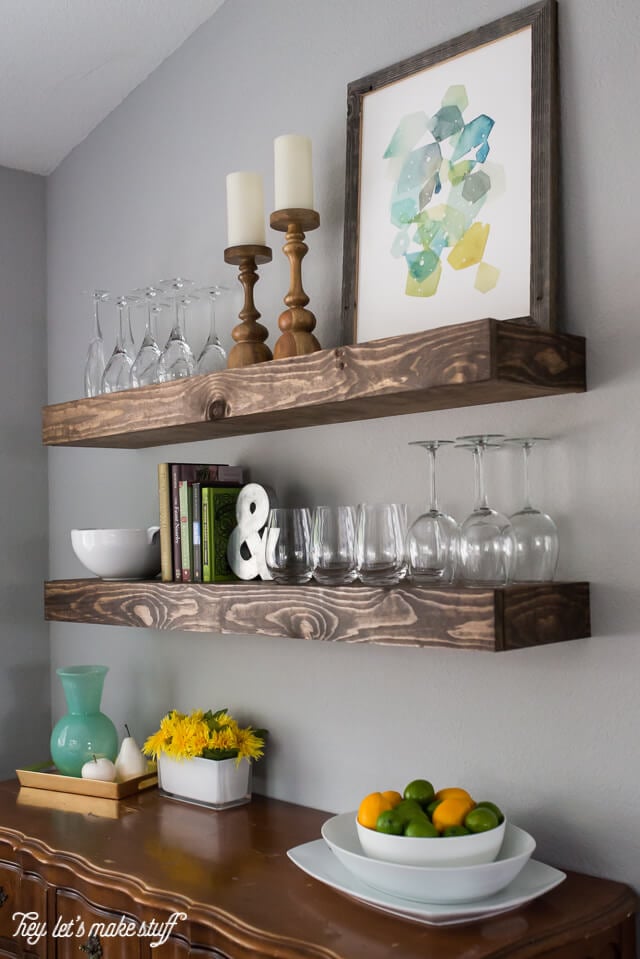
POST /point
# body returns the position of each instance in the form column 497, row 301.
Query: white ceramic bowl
column 445, row 884
column 119, row 553
column 469, row 850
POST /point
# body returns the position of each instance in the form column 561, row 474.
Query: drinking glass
column 333, row 544
column 380, row 535
column 432, row 540
column 213, row 356
column 94, row 365
column 177, row 359
column 487, row 542
column 145, row 366
column 535, row 532
column 288, row 545
column 117, row 373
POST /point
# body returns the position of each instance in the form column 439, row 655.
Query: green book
column 204, row 532
column 186, row 532
column 221, row 521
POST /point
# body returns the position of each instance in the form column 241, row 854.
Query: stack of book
column 197, row 516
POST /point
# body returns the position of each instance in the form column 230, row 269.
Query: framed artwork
column 451, row 175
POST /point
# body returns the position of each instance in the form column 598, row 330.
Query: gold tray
column 53, row 781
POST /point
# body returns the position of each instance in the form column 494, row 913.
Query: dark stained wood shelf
column 511, row 617
column 484, row 361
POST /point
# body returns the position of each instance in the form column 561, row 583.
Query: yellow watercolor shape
column 427, row 287
column 486, row 277
column 469, row 249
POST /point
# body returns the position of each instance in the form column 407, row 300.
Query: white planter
column 215, row 783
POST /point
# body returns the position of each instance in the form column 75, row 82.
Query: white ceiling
column 66, row 64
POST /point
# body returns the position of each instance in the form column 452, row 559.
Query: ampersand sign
column 249, row 536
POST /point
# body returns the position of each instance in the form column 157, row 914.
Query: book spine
column 196, row 530
column 175, row 521
column 166, row 548
column 186, row 541
column 205, row 535
column 222, row 521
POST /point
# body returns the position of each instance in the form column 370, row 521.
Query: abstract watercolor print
column 439, row 190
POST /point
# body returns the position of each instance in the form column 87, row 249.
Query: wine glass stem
column 97, row 332
column 526, row 450
column 120, row 340
column 481, row 495
column 433, row 505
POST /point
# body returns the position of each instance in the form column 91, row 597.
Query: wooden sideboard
column 142, row 859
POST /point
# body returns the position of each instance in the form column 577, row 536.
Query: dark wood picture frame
column 542, row 18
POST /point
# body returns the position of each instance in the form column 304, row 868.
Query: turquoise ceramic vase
column 83, row 731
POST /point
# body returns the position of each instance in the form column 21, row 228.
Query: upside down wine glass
column 144, row 371
column 117, row 373
column 95, row 363
column 213, row 356
column 432, row 540
column 487, row 542
column 536, row 534
column 177, row 359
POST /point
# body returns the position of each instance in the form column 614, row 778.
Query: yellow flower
column 249, row 745
column 184, row 736
column 155, row 743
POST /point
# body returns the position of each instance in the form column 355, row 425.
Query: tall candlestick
column 293, row 173
column 245, row 210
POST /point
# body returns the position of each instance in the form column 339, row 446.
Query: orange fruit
column 453, row 792
column 451, row 812
column 371, row 807
column 393, row 797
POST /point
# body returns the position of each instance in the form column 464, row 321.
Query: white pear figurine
column 99, row 768
column 130, row 761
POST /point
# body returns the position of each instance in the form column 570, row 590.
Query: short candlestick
column 249, row 334
column 296, row 323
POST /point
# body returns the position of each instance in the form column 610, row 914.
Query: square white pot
column 218, row 784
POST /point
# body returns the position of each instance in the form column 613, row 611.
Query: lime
column 455, row 831
column 432, row 806
column 410, row 809
column 480, row 820
column 389, row 822
column 492, row 806
column 421, row 828
column 421, row 790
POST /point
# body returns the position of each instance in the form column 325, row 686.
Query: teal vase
column 84, row 731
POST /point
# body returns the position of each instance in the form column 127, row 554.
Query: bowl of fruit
column 425, row 827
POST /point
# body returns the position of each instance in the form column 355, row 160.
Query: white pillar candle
column 245, row 209
column 293, row 176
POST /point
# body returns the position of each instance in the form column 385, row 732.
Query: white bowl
column 450, row 851
column 445, row 884
column 119, row 553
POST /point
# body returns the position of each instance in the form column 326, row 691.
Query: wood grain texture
column 484, row 619
column 485, row 361
column 541, row 18
column 245, row 899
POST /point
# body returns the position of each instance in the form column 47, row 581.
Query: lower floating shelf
column 510, row 617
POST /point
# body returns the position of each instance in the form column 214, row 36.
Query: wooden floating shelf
column 511, row 617
column 485, row 361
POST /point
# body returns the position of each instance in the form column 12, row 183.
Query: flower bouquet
column 205, row 757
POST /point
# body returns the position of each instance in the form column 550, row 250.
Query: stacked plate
column 434, row 895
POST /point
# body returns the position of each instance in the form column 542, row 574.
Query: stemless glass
column 213, row 356
column 288, row 545
column 177, row 359
column 117, row 373
column 487, row 543
column 535, row 532
column 95, row 363
column 380, row 536
column 145, row 366
column 333, row 544
column 432, row 540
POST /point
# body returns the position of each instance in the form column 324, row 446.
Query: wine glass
column 177, row 359
column 535, row 532
column 213, row 356
column 95, row 363
column 487, row 542
column 432, row 540
column 381, row 530
column 288, row 549
column 117, row 373
column 145, row 366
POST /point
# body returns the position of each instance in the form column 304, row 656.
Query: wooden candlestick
column 249, row 334
column 296, row 322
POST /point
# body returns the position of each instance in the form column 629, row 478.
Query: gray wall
column 549, row 733
column 24, row 677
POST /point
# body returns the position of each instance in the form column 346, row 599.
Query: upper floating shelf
column 485, row 361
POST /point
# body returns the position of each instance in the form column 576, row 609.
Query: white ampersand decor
column 252, row 512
